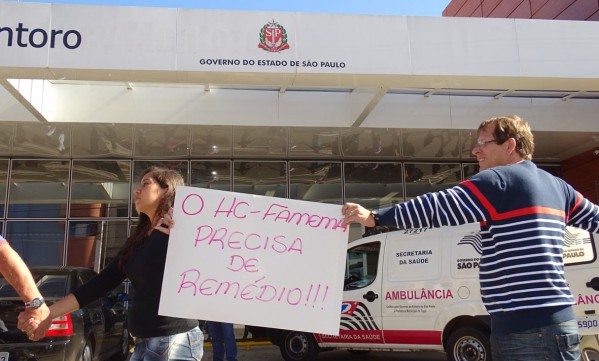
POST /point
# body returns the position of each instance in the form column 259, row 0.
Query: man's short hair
column 512, row 126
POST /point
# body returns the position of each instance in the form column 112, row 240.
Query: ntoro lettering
column 39, row 38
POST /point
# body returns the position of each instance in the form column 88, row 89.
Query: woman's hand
column 166, row 222
column 30, row 321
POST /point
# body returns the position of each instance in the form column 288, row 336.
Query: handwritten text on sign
column 255, row 260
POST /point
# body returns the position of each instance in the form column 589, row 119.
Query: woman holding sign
column 142, row 259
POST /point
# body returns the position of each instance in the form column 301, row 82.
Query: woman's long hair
column 167, row 179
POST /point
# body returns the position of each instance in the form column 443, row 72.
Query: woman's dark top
column 145, row 270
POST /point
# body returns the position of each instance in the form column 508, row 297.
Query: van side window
column 361, row 265
column 579, row 247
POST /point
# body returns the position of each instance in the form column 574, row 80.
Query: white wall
column 161, row 52
column 185, row 105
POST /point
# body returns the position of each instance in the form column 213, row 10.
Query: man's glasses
column 483, row 143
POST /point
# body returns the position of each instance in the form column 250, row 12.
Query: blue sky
column 382, row 7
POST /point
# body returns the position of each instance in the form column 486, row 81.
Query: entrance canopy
column 99, row 64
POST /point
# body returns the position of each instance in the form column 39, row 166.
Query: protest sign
column 255, row 260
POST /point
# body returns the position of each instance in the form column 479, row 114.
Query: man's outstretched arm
column 15, row 271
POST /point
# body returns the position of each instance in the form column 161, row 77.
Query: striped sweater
column 523, row 212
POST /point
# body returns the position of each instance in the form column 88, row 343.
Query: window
column 161, row 141
column 431, row 143
column 211, row 141
column 100, row 188
column 211, row 174
column 90, row 242
column 423, row 178
column 315, row 181
column 260, row 141
column 40, row 243
column 102, row 140
column 42, row 140
column 373, row 185
column 262, row 178
column 53, row 285
column 313, row 142
column 38, row 188
column 371, row 143
column 361, row 265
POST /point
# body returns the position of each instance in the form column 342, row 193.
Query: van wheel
column 469, row 344
column 298, row 346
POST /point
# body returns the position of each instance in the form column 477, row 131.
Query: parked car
column 97, row 331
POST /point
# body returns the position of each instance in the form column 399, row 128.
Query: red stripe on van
column 413, row 337
column 352, row 336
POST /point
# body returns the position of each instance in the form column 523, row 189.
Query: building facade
column 525, row 9
column 315, row 107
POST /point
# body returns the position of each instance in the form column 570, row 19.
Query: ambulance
column 418, row 290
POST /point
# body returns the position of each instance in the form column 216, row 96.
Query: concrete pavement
column 267, row 352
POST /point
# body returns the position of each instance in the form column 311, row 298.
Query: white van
column 419, row 290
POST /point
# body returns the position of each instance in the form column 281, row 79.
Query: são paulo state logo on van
column 273, row 37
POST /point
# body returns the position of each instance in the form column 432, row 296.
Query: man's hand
column 355, row 213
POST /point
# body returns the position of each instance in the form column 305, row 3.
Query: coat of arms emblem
column 273, row 37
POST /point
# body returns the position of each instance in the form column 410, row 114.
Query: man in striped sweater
column 523, row 212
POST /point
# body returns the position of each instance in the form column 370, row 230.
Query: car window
column 53, row 285
column 361, row 265
column 6, row 289
column 49, row 286
column 85, row 276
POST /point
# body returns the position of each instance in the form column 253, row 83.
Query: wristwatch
column 35, row 303
column 375, row 216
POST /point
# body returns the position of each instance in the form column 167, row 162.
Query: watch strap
column 375, row 216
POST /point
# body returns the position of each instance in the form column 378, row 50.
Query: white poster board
column 255, row 260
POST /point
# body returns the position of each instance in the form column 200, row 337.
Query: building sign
column 163, row 39
column 273, row 37
column 23, row 36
